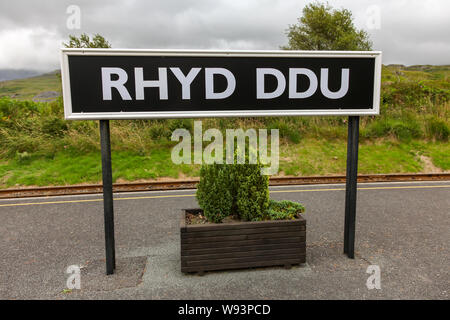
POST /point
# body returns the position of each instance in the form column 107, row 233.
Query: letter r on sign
column 108, row 83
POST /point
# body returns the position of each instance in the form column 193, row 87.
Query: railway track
column 192, row 183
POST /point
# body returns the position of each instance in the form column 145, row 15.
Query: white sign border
column 69, row 115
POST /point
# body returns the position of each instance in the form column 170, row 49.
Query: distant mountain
column 12, row 74
column 41, row 87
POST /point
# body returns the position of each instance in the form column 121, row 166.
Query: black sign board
column 129, row 84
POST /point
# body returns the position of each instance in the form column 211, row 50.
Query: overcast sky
column 31, row 32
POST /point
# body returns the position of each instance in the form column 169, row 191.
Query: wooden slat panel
column 211, row 250
column 242, row 259
column 242, row 243
column 240, row 254
column 231, row 238
column 229, row 232
column 280, row 262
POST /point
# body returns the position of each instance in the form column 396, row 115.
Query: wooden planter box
column 222, row 246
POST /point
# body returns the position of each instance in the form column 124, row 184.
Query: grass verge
column 309, row 157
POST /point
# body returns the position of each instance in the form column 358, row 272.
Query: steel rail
column 192, row 183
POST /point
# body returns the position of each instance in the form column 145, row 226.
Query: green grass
column 439, row 154
column 66, row 168
column 322, row 157
column 310, row 157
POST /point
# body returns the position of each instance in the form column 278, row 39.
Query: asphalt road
column 404, row 228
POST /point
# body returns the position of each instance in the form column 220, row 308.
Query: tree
column 85, row 42
column 323, row 28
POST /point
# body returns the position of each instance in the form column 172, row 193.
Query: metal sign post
column 107, row 197
column 351, row 185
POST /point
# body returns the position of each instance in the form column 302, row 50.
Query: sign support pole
column 351, row 186
column 107, row 197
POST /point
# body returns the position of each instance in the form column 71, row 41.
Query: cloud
column 411, row 32
column 29, row 48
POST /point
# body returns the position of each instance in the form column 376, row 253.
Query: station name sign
column 132, row 84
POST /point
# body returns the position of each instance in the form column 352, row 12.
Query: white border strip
column 66, row 52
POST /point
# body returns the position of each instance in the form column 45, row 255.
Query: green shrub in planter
column 233, row 189
column 284, row 210
column 214, row 193
column 240, row 190
column 252, row 191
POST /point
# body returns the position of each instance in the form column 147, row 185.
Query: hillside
column 12, row 74
column 429, row 73
column 45, row 87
